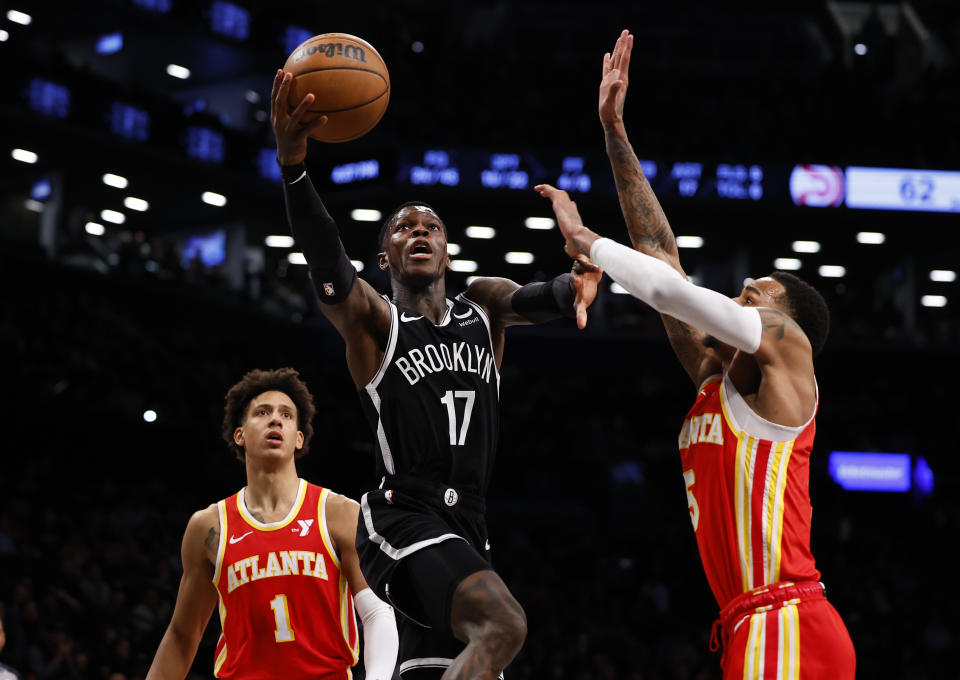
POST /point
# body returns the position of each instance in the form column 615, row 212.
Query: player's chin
column 421, row 273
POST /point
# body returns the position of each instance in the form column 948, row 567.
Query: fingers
column 581, row 309
column 277, row 79
column 301, row 109
column 315, row 125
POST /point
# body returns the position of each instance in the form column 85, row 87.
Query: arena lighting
column 365, row 215
column 177, row 71
column 113, row 216
column 149, row 416
column 541, row 223
column 806, row 247
column 518, row 257
column 943, row 275
column 110, row 43
column 480, row 232
column 357, row 264
column 135, row 203
column 252, row 96
column 94, row 229
column 33, row 205
column 874, row 238
column 4, row 36
column 832, row 271
column 19, row 17
column 617, row 289
column 868, row 471
column 933, row 301
column 23, row 156
column 689, row 242
column 417, row 47
column 453, row 248
column 787, row 264
column 40, row 190
column 213, row 198
column 296, row 258
column 115, row 181
column 463, row 265
column 279, row 241
column 860, row 49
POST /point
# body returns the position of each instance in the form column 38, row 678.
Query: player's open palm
column 613, row 86
column 586, row 280
column 290, row 133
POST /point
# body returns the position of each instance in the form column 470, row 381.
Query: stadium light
column 296, row 258
column 463, row 265
column 689, row 242
column 94, row 229
column 518, row 257
column 19, row 17
column 115, row 181
column 135, row 203
column 113, row 216
column 23, row 156
column 943, row 275
column 177, row 71
column 933, row 301
column 480, row 232
column 278, row 241
column 806, row 247
column 453, row 248
column 873, row 238
column 365, row 215
column 787, row 264
column 832, row 271
column 541, row 223
column 213, row 198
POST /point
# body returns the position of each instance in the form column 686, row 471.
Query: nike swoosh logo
column 237, row 539
column 405, row 318
column 464, row 315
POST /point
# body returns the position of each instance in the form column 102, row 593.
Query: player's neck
column 430, row 301
column 271, row 492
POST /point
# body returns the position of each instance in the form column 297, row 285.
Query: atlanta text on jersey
column 705, row 428
column 287, row 564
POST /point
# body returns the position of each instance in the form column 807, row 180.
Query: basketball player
column 278, row 557
column 745, row 445
column 427, row 370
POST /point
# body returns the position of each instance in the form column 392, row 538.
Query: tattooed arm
column 196, row 598
column 646, row 222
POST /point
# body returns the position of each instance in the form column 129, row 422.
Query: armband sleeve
column 667, row 291
column 317, row 236
column 545, row 300
column 380, row 640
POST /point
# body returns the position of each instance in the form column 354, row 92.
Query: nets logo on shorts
column 328, row 289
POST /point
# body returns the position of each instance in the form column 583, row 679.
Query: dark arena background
column 144, row 269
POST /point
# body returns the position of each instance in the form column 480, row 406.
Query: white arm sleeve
column 380, row 642
column 664, row 288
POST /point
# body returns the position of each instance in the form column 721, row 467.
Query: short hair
column 256, row 382
column 386, row 223
column 807, row 307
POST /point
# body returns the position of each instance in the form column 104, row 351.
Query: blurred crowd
column 587, row 511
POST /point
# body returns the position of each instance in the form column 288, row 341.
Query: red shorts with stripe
column 785, row 631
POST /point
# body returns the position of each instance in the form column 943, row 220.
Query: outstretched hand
column 578, row 239
column 586, row 279
column 613, row 87
column 290, row 133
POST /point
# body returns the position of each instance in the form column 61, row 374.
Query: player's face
column 765, row 292
column 416, row 245
column 270, row 427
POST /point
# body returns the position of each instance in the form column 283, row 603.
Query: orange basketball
column 349, row 80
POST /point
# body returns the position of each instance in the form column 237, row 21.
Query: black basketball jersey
column 434, row 403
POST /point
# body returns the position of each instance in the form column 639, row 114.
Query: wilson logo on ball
column 332, row 50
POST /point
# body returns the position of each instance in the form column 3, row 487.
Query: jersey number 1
column 448, row 397
column 281, row 613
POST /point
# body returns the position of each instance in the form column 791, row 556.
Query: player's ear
column 299, row 440
column 382, row 261
column 449, row 267
column 238, row 436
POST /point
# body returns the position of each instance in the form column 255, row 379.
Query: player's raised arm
column 196, row 599
column 351, row 304
column 567, row 295
column 652, row 280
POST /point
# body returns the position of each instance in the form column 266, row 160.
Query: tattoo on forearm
column 645, row 219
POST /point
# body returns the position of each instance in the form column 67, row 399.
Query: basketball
column 348, row 79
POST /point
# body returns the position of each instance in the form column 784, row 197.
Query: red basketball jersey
column 285, row 607
column 748, row 492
